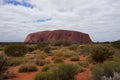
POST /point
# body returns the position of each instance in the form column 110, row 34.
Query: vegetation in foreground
column 107, row 69
column 52, row 57
column 28, row 68
column 61, row 72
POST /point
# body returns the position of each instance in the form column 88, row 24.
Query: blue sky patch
column 42, row 20
column 19, row 3
column 38, row 20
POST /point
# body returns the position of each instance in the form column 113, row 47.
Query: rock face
column 51, row 36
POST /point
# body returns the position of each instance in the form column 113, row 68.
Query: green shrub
column 73, row 47
column 45, row 76
column 47, row 49
column 68, row 71
column 83, row 63
column 41, row 62
column 2, row 48
column 3, row 62
column 42, row 45
column 28, row 68
column 116, row 56
column 58, row 53
column 62, row 72
column 116, row 44
column 16, row 50
column 31, row 48
column 7, row 75
column 3, row 65
column 14, row 61
column 58, row 57
column 62, row 43
column 64, row 52
column 85, row 49
column 41, row 55
column 58, row 60
column 74, row 58
column 46, row 68
column 115, row 77
column 36, row 51
column 49, row 67
column 100, row 53
column 106, row 69
column 69, row 54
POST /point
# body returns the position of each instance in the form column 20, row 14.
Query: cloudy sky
column 99, row 18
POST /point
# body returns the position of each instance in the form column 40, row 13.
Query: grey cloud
column 99, row 18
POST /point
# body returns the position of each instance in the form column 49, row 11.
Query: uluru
column 56, row 35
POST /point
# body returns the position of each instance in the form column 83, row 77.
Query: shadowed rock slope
column 56, row 35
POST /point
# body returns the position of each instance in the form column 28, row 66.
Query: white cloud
column 99, row 18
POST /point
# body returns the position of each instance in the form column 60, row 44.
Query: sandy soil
column 23, row 76
column 85, row 75
column 49, row 58
column 83, row 58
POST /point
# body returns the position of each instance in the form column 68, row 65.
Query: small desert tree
column 3, row 65
column 116, row 44
column 16, row 50
column 100, row 53
column 62, row 43
column 47, row 49
column 42, row 45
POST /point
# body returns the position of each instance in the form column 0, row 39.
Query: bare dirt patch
column 23, row 76
column 85, row 75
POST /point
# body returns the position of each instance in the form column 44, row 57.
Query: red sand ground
column 85, row 75
column 23, row 76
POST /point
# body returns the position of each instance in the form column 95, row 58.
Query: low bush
column 74, row 58
column 41, row 55
column 36, row 51
column 41, row 62
column 47, row 49
column 63, row 52
column 31, row 48
column 100, row 53
column 16, row 50
column 68, row 71
column 85, row 49
column 58, row 56
column 116, row 76
column 58, row 60
column 42, row 45
column 3, row 65
column 58, row 53
column 28, row 68
column 83, row 63
column 62, row 72
column 45, row 76
column 7, row 75
column 62, row 43
column 14, row 61
column 69, row 54
column 2, row 48
column 116, row 56
column 49, row 67
column 3, row 62
column 116, row 44
column 73, row 47
column 106, row 69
